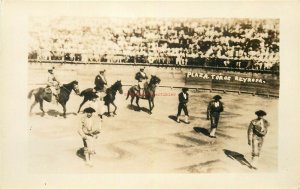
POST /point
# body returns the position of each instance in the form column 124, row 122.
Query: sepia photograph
column 150, row 94
column 163, row 95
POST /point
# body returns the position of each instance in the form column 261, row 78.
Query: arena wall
column 192, row 77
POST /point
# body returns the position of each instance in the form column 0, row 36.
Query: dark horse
column 41, row 94
column 149, row 93
column 109, row 97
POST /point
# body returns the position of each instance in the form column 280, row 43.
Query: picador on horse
column 53, row 84
column 100, row 83
column 141, row 77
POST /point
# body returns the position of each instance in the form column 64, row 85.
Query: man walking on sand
column 257, row 130
column 215, row 107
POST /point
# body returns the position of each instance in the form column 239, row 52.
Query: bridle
column 68, row 89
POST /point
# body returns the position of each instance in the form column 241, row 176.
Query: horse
column 41, row 94
column 109, row 98
column 149, row 93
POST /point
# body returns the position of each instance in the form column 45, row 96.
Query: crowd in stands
column 234, row 43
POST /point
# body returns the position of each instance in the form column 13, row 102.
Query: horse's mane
column 69, row 84
column 114, row 85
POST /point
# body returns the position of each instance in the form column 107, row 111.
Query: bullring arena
column 136, row 142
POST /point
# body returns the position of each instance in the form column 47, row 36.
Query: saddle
column 48, row 90
column 48, row 94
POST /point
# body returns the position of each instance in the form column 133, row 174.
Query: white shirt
column 217, row 104
column 102, row 77
column 262, row 125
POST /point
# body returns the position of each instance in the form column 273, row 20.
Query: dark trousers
column 214, row 119
column 184, row 108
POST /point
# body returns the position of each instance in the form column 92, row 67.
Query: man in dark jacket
column 183, row 98
column 215, row 107
column 100, row 81
column 141, row 77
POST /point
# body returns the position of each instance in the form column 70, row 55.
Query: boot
column 55, row 99
column 87, row 159
column 141, row 93
column 177, row 119
column 213, row 133
column 186, row 119
column 254, row 162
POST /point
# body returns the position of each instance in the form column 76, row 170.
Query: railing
column 243, row 70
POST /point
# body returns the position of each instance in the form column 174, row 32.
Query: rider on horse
column 100, row 82
column 141, row 77
column 53, row 83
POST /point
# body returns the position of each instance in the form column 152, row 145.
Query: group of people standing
column 91, row 121
column 257, row 128
column 90, row 127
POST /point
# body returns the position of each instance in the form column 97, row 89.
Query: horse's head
column 75, row 87
column 154, row 80
column 118, row 86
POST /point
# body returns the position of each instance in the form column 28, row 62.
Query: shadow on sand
column 55, row 113
column 238, row 157
column 80, row 153
column 202, row 130
column 174, row 118
column 135, row 108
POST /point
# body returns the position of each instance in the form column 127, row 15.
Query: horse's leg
column 137, row 103
column 131, row 101
column 152, row 100
column 132, row 94
column 64, row 109
column 31, row 107
column 150, row 108
column 83, row 102
column 115, row 108
column 41, row 107
column 108, row 110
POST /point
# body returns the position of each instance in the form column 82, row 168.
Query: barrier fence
column 213, row 79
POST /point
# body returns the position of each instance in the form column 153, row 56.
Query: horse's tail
column 128, row 93
column 30, row 94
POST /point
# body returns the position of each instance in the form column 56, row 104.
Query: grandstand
column 242, row 44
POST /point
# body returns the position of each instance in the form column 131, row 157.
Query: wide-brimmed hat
column 89, row 110
column 217, row 97
column 51, row 69
column 260, row 113
column 184, row 89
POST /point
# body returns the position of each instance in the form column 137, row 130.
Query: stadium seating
column 232, row 43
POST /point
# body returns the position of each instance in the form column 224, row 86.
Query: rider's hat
column 89, row 110
column 142, row 69
column 102, row 71
column 260, row 113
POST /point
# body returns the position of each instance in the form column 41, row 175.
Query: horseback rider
column 100, row 83
column 53, row 83
column 141, row 77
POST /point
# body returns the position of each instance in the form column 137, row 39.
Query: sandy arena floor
column 136, row 142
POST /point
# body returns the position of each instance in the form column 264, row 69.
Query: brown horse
column 149, row 93
column 40, row 94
